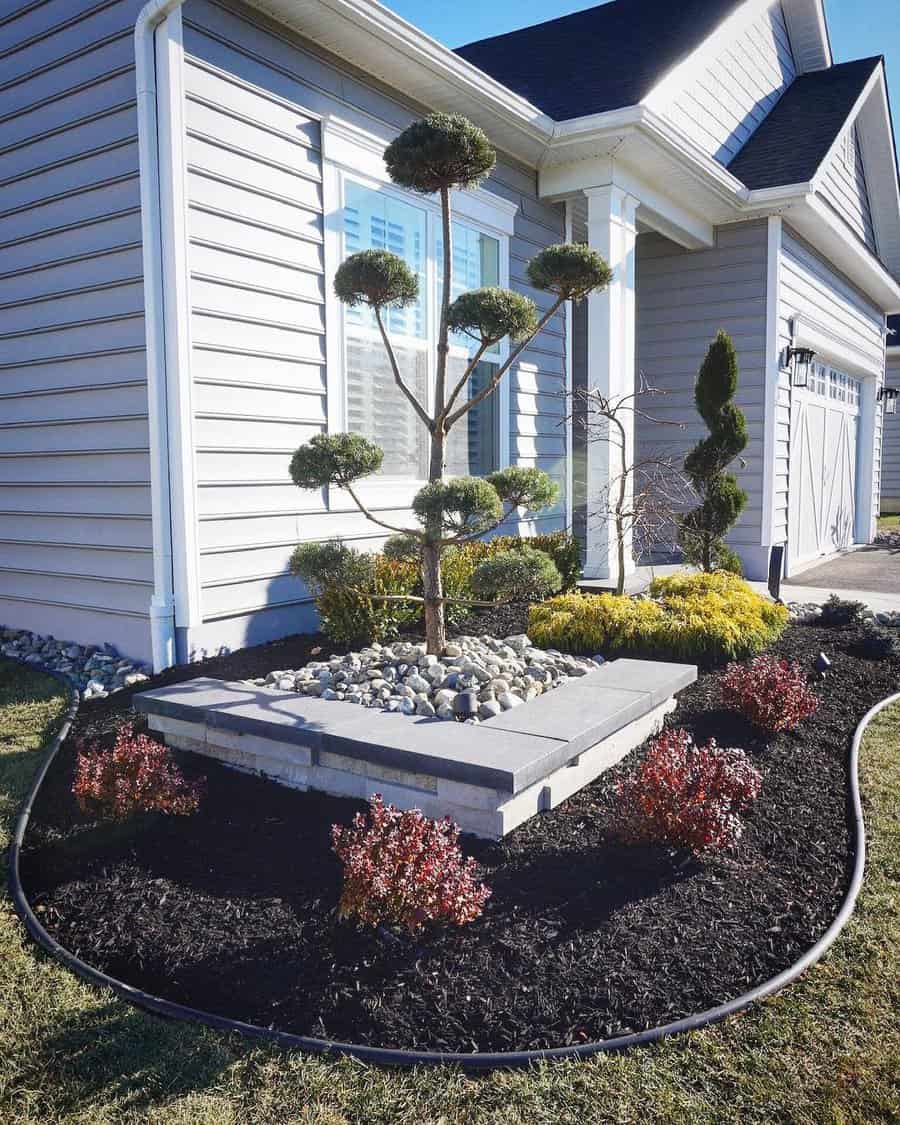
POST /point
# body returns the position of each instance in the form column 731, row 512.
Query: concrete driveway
column 873, row 569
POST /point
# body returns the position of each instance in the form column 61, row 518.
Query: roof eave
column 374, row 39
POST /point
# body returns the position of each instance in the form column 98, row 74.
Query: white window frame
column 350, row 153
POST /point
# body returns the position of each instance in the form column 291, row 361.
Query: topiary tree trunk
column 434, row 156
column 702, row 530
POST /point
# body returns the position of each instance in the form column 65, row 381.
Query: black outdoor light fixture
column 889, row 395
column 797, row 361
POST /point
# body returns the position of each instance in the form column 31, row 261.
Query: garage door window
column 834, row 385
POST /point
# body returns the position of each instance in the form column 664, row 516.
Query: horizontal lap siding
column 890, row 452
column 683, row 299
column 75, row 529
column 844, row 188
column 725, row 104
column 813, row 289
column 254, row 96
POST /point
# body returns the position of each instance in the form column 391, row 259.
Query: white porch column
column 610, row 362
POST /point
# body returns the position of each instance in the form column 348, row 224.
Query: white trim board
column 843, row 353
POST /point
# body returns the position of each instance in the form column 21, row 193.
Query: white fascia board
column 824, row 229
column 590, row 127
column 658, row 209
column 699, row 163
column 576, row 138
column 876, row 136
column 777, row 198
column 356, row 26
column 685, row 72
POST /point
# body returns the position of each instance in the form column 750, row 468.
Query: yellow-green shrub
column 348, row 617
column 705, row 617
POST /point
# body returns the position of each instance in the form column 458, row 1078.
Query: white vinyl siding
column 815, row 291
column 75, row 522
column 255, row 95
column 844, row 188
column 683, row 299
column 722, row 107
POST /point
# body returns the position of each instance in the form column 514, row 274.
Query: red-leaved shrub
column 772, row 694
column 137, row 775
column 404, row 869
column 688, row 796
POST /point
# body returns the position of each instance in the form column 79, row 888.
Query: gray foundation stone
column 490, row 776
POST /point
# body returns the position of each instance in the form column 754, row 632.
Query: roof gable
column 796, row 137
column 599, row 59
column 843, row 185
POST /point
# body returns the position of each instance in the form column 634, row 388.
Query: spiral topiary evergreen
column 722, row 500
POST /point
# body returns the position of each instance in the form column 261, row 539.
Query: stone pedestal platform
column 489, row 777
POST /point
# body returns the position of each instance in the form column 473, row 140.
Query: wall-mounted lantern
column 798, row 362
column 889, row 395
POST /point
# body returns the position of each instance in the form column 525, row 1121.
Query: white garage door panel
column 824, row 457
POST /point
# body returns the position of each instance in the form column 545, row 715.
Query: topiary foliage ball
column 375, row 278
column 401, row 548
column 526, row 575
column 570, row 270
column 524, row 488
column 334, row 459
column 444, row 150
column 492, row 313
column 334, row 563
column 467, row 505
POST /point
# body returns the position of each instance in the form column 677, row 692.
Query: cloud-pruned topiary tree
column 436, row 155
column 722, row 499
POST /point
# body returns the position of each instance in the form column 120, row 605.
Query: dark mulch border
column 231, row 911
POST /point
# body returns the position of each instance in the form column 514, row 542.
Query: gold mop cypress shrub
column 704, row 617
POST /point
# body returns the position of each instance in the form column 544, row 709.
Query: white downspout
column 162, row 604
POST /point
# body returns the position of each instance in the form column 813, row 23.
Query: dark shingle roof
column 790, row 145
column 893, row 323
column 601, row 58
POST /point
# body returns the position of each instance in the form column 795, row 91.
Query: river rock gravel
column 474, row 678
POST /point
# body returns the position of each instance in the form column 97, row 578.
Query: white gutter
column 162, row 603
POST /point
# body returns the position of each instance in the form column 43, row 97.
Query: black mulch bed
column 232, row 910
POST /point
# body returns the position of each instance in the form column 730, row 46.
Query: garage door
column 823, row 465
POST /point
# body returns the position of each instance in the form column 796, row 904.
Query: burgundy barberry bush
column 404, row 869
column 137, row 775
column 773, row 694
column 688, row 796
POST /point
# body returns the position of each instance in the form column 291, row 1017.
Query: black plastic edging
column 386, row 1056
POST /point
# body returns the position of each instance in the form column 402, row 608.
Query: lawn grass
column 889, row 522
column 826, row 1050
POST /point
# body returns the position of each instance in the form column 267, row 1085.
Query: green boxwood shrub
column 531, row 573
column 706, row 618
column 347, row 611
